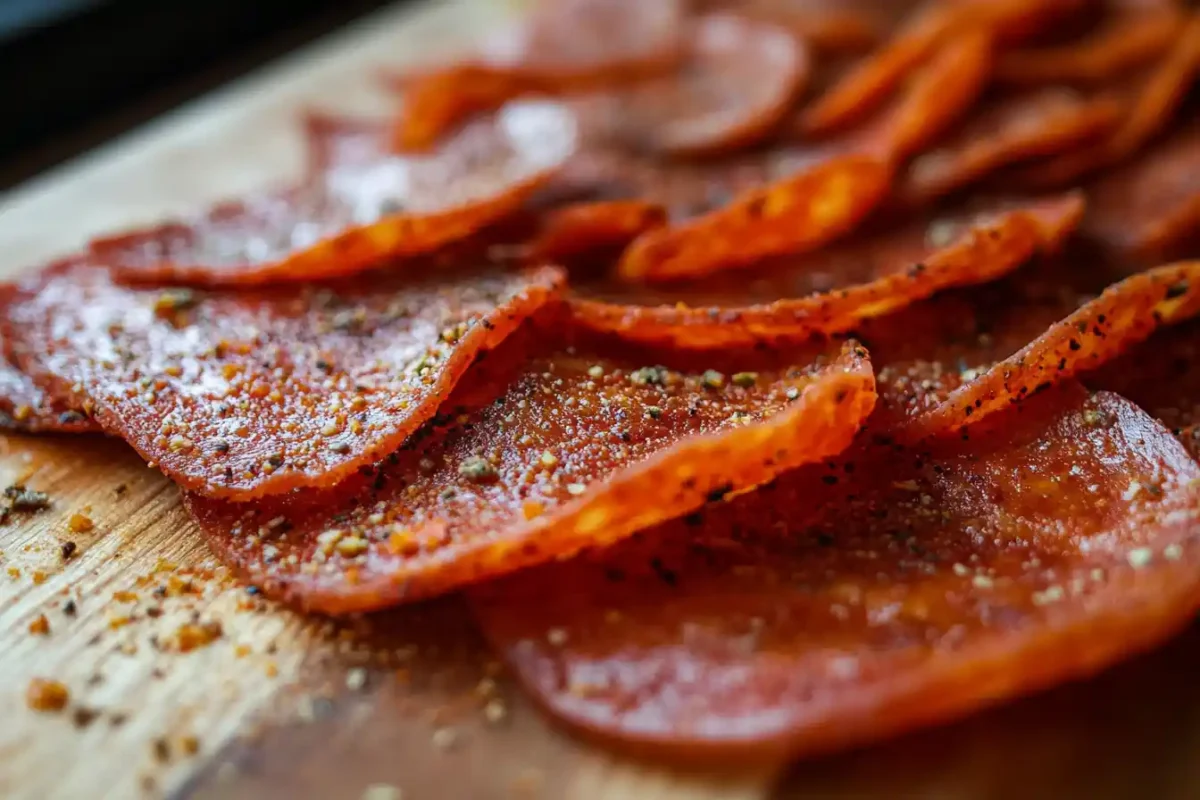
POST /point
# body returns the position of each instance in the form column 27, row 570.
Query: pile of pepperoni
column 771, row 375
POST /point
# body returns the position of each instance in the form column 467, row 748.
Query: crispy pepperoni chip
column 556, row 449
column 831, row 290
column 357, row 212
column 25, row 407
column 1127, row 39
column 796, row 213
column 735, row 87
column 579, row 230
column 830, row 26
column 1149, row 208
column 1007, row 131
column 241, row 394
column 1148, row 107
column 1099, row 331
column 853, row 602
column 566, row 46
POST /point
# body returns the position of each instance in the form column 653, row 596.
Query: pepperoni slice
column 25, row 407
column 1160, row 375
column 584, row 229
column 830, row 26
column 737, row 83
column 876, row 595
column 566, row 46
column 1149, row 208
column 241, row 394
column 357, row 212
column 833, row 289
column 1099, row 331
column 556, row 449
column 1126, row 40
column 1148, row 108
column 1006, row 131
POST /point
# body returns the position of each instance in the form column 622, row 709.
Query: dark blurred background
column 74, row 73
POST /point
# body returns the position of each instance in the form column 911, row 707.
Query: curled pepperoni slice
column 1149, row 208
column 1099, row 331
column 363, row 208
column 241, row 394
column 565, row 46
column 875, row 595
column 737, row 83
column 554, row 450
column 1127, row 39
column 584, row 229
column 1149, row 105
column 830, row 26
column 1009, row 130
column 833, row 289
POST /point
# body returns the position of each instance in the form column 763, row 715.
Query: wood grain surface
column 407, row 704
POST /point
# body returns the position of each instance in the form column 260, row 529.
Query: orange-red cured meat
column 241, row 394
column 1102, row 329
column 555, row 449
column 852, row 602
column 737, row 83
column 1149, row 105
column 566, row 46
column 830, row 26
column 833, row 289
column 564, row 234
column 1008, row 130
column 357, row 212
column 1150, row 207
column 801, row 212
column 1162, row 375
column 25, row 407
column 1127, row 39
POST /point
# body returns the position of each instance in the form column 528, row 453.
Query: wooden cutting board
column 407, row 704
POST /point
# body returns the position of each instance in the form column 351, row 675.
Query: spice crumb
column 46, row 695
column 40, row 626
column 79, row 523
column 444, row 738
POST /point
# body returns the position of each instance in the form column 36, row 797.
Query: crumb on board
column 44, row 694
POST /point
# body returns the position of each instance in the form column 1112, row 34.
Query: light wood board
column 283, row 706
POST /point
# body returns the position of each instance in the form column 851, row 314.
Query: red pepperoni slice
column 1007, row 131
column 833, row 289
column 1149, row 208
column 553, row 449
column 585, row 229
column 241, row 394
column 1099, row 331
column 1149, row 105
column 25, row 407
column 736, row 85
column 830, row 26
column 1126, row 40
column 880, row 594
column 359, row 210
column 566, row 46
column 1161, row 376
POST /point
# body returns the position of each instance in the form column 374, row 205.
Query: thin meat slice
column 1149, row 208
column 1162, row 375
column 875, row 595
column 25, row 407
column 1007, row 131
column 361, row 207
column 1149, row 104
column 833, row 289
column 553, row 447
column 582, row 230
column 816, row 191
column 565, row 46
column 1097, row 332
column 735, row 86
column 1127, row 39
column 242, row 394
